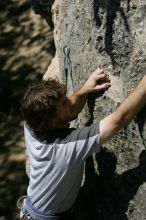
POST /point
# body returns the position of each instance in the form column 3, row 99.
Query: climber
column 57, row 152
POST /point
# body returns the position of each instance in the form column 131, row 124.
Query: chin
column 67, row 125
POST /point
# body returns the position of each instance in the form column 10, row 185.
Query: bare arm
column 125, row 113
column 97, row 81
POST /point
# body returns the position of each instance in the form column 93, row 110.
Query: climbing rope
column 66, row 51
column 67, row 68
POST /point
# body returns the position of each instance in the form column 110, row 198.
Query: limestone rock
column 53, row 69
column 110, row 35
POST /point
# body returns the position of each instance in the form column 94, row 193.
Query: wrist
column 83, row 91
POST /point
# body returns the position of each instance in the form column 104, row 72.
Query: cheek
column 64, row 113
column 65, row 110
column 68, row 108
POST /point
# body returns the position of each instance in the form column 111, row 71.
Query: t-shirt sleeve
column 82, row 143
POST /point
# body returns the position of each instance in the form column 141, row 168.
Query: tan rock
column 53, row 69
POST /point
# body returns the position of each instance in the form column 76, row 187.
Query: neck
column 57, row 124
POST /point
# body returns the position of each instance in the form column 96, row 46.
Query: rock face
column 111, row 35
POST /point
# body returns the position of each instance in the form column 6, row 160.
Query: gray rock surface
column 111, row 35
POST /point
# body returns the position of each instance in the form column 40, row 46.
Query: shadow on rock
column 112, row 8
column 106, row 195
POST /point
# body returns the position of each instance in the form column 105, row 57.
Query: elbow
column 121, row 120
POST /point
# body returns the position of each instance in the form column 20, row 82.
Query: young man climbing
column 57, row 152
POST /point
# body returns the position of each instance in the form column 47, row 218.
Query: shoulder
column 83, row 133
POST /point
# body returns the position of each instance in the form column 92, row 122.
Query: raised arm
column 125, row 112
column 96, row 82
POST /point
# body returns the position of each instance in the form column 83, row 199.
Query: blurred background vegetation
column 26, row 50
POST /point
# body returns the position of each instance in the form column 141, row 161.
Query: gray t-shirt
column 56, row 167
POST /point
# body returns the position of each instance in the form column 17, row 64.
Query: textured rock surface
column 111, row 35
column 53, row 69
